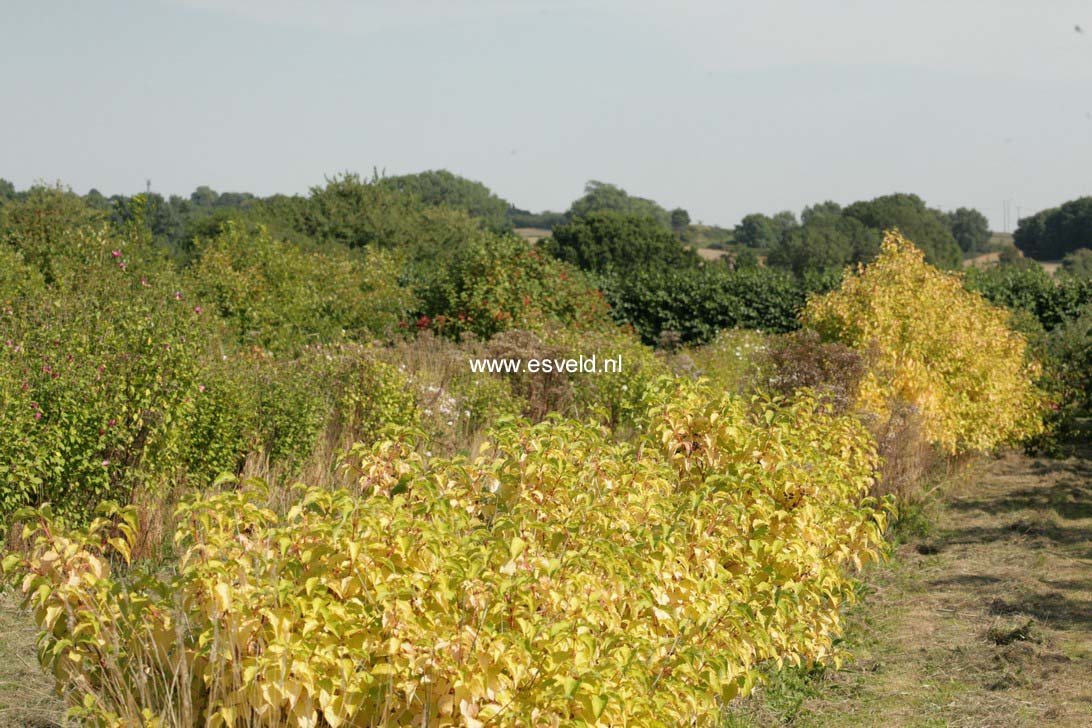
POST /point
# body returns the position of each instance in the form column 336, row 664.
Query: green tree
column 1030, row 234
column 825, row 243
column 757, row 231
column 925, row 227
column 600, row 196
column 526, row 219
column 204, row 198
column 352, row 212
column 680, row 220
column 820, row 209
column 784, row 222
column 609, row 240
column 7, row 190
column 1051, row 234
column 96, row 200
column 441, row 187
column 970, row 229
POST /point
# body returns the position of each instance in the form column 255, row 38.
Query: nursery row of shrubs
column 559, row 576
column 492, row 550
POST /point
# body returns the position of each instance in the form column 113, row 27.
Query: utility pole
column 148, row 206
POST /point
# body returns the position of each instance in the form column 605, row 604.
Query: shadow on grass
column 1054, row 609
column 965, row 580
column 1070, row 496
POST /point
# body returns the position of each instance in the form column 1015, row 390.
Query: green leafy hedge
column 697, row 303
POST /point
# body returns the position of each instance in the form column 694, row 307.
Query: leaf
column 516, row 547
column 599, row 704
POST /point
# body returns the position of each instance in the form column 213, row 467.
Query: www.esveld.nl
column 586, row 364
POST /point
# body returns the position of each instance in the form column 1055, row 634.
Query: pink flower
column 178, row 295
column 144, row 281
column 121, row 265
column 116, row 253
column 105, row 463
column 8, row 342
column 37, row 415
column 200, row 387
column 197, row 310
column 111, row 423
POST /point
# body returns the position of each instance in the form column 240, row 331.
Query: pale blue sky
column 721, row 107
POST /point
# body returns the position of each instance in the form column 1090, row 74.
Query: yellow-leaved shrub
column 559, row 578
column 935, row 345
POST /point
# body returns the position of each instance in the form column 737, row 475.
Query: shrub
column 44, row 225
column 1078, row 264
column 279, row 296
column 618, row 399
column 732, row 360
column 558, row 578
column 1068, row 365
column 543, row 392
column 801, row 360
column 293, row 403
column 698, row 303
column 18, row 280
column 499, row 283
column 96, row 387
column 453, row 404
column 372, row 395
column 610, row 240
column 1033, row 290
column 937, row 346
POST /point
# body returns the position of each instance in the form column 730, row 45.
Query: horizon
column 722, row 110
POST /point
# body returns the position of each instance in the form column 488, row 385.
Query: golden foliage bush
column 934, row 345
column 558, row 578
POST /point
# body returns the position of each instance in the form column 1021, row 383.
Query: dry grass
column 533, row 235
column 985, row 622
column 26, row 693
column 712, row 254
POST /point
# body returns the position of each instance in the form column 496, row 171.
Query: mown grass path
column 986, row 620
column 26, row 693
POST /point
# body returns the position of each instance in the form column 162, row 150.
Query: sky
column 720, row 107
